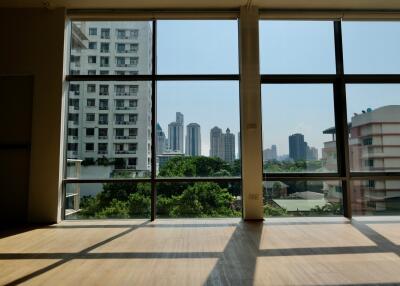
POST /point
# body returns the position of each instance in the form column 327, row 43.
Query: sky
column 286, row 47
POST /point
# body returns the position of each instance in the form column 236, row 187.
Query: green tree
column 202, row 200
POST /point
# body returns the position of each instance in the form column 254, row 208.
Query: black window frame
column 339, row 80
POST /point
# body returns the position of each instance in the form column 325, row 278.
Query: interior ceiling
column 208, row 4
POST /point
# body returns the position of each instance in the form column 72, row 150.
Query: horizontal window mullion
column 157, row 180
column 298, row 78
column 109, row 78
column 91, row 181
column 375, row 175
column 302, row 176
column 177, row 77
column 188, row 77
column 198, row 179
column 372, row 78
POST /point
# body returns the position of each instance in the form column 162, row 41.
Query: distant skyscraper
column 175, row 134
column 239, row 155
column 179, row 118
column 228, row 140
column 312, row 153
column 270, row 153
column 193, row 140
column 222, row 145
column 297, row 147
column 161, row 140
column 216, row 142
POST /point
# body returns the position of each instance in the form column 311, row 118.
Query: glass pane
column 375, row 197
column 374, row 120
column 371, row 47
column 201, row 199
column 297, row 47
column 298, row 128
column 110, row 48
column 302, row 198
column 197, row 130
column 108, row 129
column 197, row 47
column 107, row 200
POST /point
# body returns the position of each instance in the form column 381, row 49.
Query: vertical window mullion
column 153, row 123
column 342, row 140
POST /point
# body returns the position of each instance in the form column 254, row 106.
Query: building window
column 73, row 132
column 367, row 141
column 92, row 31
column 89, row 147
column 105, row 33
column 104, row 72
column 91, row 102
column 132, row 147
column 119, row 133
column 103, row 104
column 102, row 148
column 103, row 89
column 103, row 119
column 103, row 133
column 91, row 88
column 369, row 163
column 132, row 132
column 104, row 61
column 132, row 103
column 133, row 118
column 120, row 61
column 105, row 48
column 132, row 161
column 91, row 72
column 74, row 89
column 72, row 147
column 92, row 45
column 92, row 59
column 89, row 132
column 90, row 117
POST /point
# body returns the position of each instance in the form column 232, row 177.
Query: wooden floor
column 295, row 251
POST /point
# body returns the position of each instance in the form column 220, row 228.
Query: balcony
column 118, row 93
column 103, row 93
column 103, row 137
column 125, row 122
column 73, row 108
column 103, row 122
column 102, row 152
column 103, row 108
column 74, row 93
column 125, row 152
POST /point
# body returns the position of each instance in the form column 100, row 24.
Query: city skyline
column 226, row 142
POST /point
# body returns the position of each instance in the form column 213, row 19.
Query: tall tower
column 229, row 146
column 297, row 147
column 216, row 146
column 193, row 140
column 175, row 134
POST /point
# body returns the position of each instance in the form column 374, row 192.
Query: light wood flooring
column 278, row 251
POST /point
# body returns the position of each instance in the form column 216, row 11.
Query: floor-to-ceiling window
column 153, row 120
column 330, row 100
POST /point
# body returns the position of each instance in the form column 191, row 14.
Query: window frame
column 154, row 77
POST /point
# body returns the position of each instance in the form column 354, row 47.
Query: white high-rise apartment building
column 111, row 119
column 374, row 146
column 193, row 140
column 175, row 134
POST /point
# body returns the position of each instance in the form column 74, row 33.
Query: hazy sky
column 201, row 47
